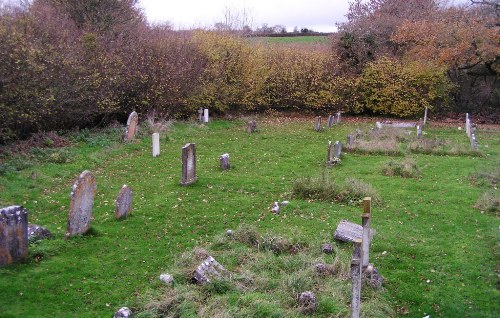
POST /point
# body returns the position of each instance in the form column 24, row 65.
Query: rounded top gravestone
column 132, row 124
column 82, row 200
column 123, row 202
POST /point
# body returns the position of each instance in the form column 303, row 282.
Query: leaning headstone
column 37, row 233
column 349, row 232
column 13, row 234
column 338, row 119
column 123, row 312
column 317, row 124
column 419, row 132
column 350, row 140
column 123, row 203
column 251, row 126
column 331, row 120
column 337, row 149
column 156, row 144
column 188, row 164
column 205, row 115
column 327, row 248
column 208, row 270
column 81, row 203
column 307, row 303
column 224, row 162
column 132, row 124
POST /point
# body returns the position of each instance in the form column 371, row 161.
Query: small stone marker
column 123, row 312
column 338, row 117
column 337, row 149
column 317, row 124
column 349, row 232
column 200, row 115
column 251, row 126
column 132, row 124
column 419, row 132
column 208, row 270
column 425, row 115
column 13, row 234
column 167, row 279
column 123, row 203
column 356, row 279
column 378, row 124
column 205, row 115
column 188, row 164
column 37, row 233
column 307, row 303
column 473, row 140
column 327, row 248
column 81, row 203
column 350, row 141
column 156, row 144
column 329, row 154
column 224, row 162
column 331, row 120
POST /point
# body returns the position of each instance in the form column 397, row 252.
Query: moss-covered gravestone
column 13, row 234
column 81, row 204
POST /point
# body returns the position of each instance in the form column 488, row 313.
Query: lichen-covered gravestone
column 188, row 164
column 132, row 124
column 13, row 234
column 123, row 202
column 251, row 126
column 82, row 201
column 224, row 162
column 317, row 124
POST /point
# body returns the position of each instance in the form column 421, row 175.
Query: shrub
column 489, row 202
column 406, row 168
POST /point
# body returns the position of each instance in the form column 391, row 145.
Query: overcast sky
column 319, row 15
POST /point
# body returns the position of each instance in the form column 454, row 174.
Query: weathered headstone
column 327, row 248
column 467, row 125
column 167, row 279
column 81, row 203
column 425, row 115
column 473, row 140
column 132, row 125
column 378, row 125
column 205, row 115
column 208, row 270
column 317, row 124
column 123, row 312
column 200, row 115
column 13, row 234
column 224, row 162
column 350, row 140
column 356, row 279
column 188, row 164
column 329, row 154
column 123, row 202
column 331, row 120
column 251, row 126
column 156, row 144
column 348, row 232
column 337, row 149
column 419, row 132
column 338, row 117
column 37, row 233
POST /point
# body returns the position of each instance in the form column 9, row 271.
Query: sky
column 318, row 15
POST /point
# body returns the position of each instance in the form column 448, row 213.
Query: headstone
column 337, row 149
column 473, row 140
column 132, row 124
column 205, row 115
column 425, row 115
column 251, row 126
column 317, row 124
column 156, row 144
column 188, row 164
column 167, row 279
column 307, row 303
column 200, row 115
column 208, row 270
column 275, row 208
column 338, row 117
column 37, row 233
column 357, row 133
column 327, row 248
column 350, row 141
column 13, row 234
column 123, row 203
column 467, row 125
column 81, row 203
column 349, row 232
column 419, row 132
column 329, row 155
column 123, row 312
column 378, row 124
column 331, row 120
column 224, row 162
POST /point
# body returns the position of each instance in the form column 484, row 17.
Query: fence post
column 366, row 223
column 356, row 279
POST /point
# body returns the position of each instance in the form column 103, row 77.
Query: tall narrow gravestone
column 419, row 132
column 188, row 164
column 123, row 203
column 156, row 144
column 200, row 115
column 337, row 149
column 329, row 155
column 82, row 200
column 467, row 125
column 350, row 140
column 338, row 118
column 425, row 115
column 251, row 126
column 132, row 124
column 317, row 124
column 205, row 115
column 224, row 162
column 331, row 120
column 13, row 234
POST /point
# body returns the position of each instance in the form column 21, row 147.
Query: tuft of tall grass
column 489, row 202
column 405, row 169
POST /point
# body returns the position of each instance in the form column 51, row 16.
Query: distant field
column 293, row 39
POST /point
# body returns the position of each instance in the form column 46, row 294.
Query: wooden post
column 419, row 132
column 356, row 279
column 366, row 218
column 425, row 115
column 205, row 115
column 329, row 157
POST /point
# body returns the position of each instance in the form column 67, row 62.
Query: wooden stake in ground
column 356, row 279
column 366, row 223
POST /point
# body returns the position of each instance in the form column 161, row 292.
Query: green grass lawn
column 438, row 254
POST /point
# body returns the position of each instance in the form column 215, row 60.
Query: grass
column 438, row 254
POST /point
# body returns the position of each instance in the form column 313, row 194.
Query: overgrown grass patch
column 406, row 168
